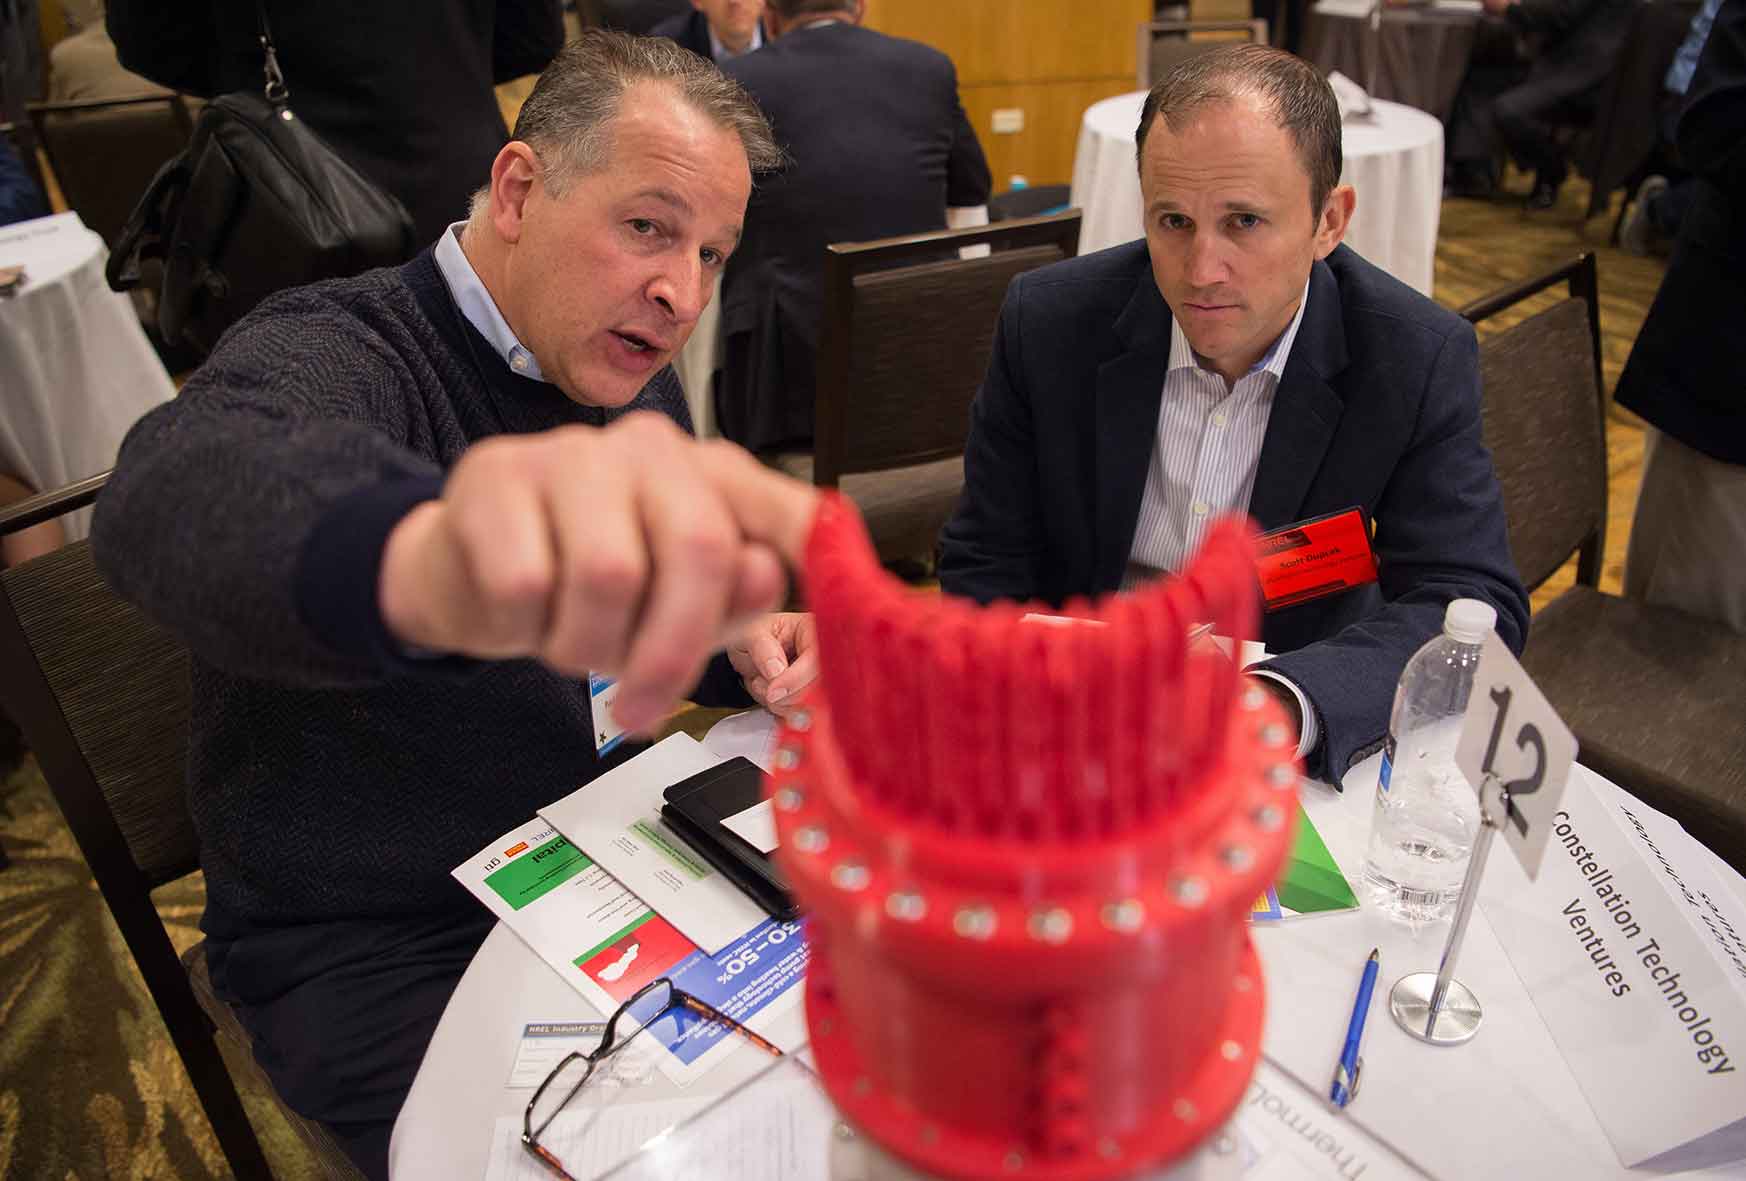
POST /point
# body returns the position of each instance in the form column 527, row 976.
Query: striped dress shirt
column 1203, row 465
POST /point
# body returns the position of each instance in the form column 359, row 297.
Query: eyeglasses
column 647, row 1005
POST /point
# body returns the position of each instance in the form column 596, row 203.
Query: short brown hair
column 1293, row 91
column 567, row 119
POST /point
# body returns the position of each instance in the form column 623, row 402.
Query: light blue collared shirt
column 1204, row 462
column 476, row 304
column 721, row 53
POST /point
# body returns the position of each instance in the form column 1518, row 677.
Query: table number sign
column 1511, row 733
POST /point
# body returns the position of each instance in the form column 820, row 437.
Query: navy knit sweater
column 330, row 777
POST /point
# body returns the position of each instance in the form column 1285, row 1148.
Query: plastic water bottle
column 1427, row 814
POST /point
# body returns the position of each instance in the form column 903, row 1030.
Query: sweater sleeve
column 216, row 495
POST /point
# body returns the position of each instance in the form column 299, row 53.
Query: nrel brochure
column 601, row 938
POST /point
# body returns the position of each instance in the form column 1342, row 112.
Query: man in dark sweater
column 399, row 519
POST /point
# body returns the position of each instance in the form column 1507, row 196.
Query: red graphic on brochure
column 651, row 949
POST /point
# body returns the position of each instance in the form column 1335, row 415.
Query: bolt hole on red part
column 1027, row 854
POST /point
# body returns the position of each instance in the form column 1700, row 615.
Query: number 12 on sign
column 1512, row 734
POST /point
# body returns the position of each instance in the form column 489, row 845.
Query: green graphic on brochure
column 543, row 869
column 1311, row 882
column 677, row 854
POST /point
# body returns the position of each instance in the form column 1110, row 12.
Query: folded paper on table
column 603, row 940
column 1311, row 883
column 1631, row 950
column 616, row 819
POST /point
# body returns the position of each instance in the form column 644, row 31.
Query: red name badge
column 1310, row 559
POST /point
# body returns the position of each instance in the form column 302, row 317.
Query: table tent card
column 1632, row 950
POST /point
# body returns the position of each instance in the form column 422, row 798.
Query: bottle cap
column 1468, row 620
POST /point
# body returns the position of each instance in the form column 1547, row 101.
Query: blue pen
column 1351, row 1065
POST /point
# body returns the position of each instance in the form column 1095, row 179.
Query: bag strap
column 275, row 90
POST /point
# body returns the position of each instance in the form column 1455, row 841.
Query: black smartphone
column 695, row 809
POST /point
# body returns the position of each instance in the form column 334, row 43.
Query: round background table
column 79, row 369
column 1394, row 159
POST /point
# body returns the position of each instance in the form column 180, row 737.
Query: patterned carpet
column 89, row 1085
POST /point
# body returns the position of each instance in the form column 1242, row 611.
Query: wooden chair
column 104, row 152
column 102, row 696
column 1161, row 45
column 907, row 331
column 1653, row 694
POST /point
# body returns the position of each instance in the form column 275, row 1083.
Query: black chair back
column 102, row 697
column 907, row 335
column 1162, row 45
column 104, row 152
column 1544, row 410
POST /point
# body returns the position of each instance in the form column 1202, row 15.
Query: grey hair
column 567, row 120
column 1293, row 92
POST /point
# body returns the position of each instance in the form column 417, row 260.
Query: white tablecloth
column 1505, row 1105
column 1393, row 159
column 77, row 368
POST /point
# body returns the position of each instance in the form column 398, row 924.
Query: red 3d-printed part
column 1027, row 852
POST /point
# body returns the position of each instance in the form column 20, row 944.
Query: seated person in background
column 1575, row 45
column 83, row 65
column 717, row 29
column 402, row 91
column 1683, row 375
column 878, row 145
column 20, row 199
column 1653, row 221
column 399, row 518
column 1239, row 359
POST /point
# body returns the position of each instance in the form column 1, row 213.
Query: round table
column 1394, row 159
column 1415, row 55
column 1505, row 1105
column 79, row 370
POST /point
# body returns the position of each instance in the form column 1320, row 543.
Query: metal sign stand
column 1433, row 1006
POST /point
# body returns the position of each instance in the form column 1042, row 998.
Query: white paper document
column 1635, row 974
column 544, row 1044
column 756, row 826
column 750, row 735
column 602, row 940
column 616, row 820
column 587, row 1142
column 1285, row 1132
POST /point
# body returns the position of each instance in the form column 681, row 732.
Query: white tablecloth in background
column 1393, row 159
column 75, row 365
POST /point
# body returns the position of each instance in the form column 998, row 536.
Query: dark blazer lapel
column 1130, row 387
column 1306, row 408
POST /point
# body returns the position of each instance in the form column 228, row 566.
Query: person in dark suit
column 1239, row 359
column 402, row 91
column 719, row 30
column 1575, row 45
column 1683, row 375
column 879, row 145
column 639, row 16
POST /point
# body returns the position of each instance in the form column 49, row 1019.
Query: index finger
column 768, row 506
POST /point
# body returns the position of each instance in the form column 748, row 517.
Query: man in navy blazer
column 1240, row 358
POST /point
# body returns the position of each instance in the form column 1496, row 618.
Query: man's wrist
column 1296, row 705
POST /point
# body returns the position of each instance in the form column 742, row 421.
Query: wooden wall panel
column 1043, row 152
column 1049, row 58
